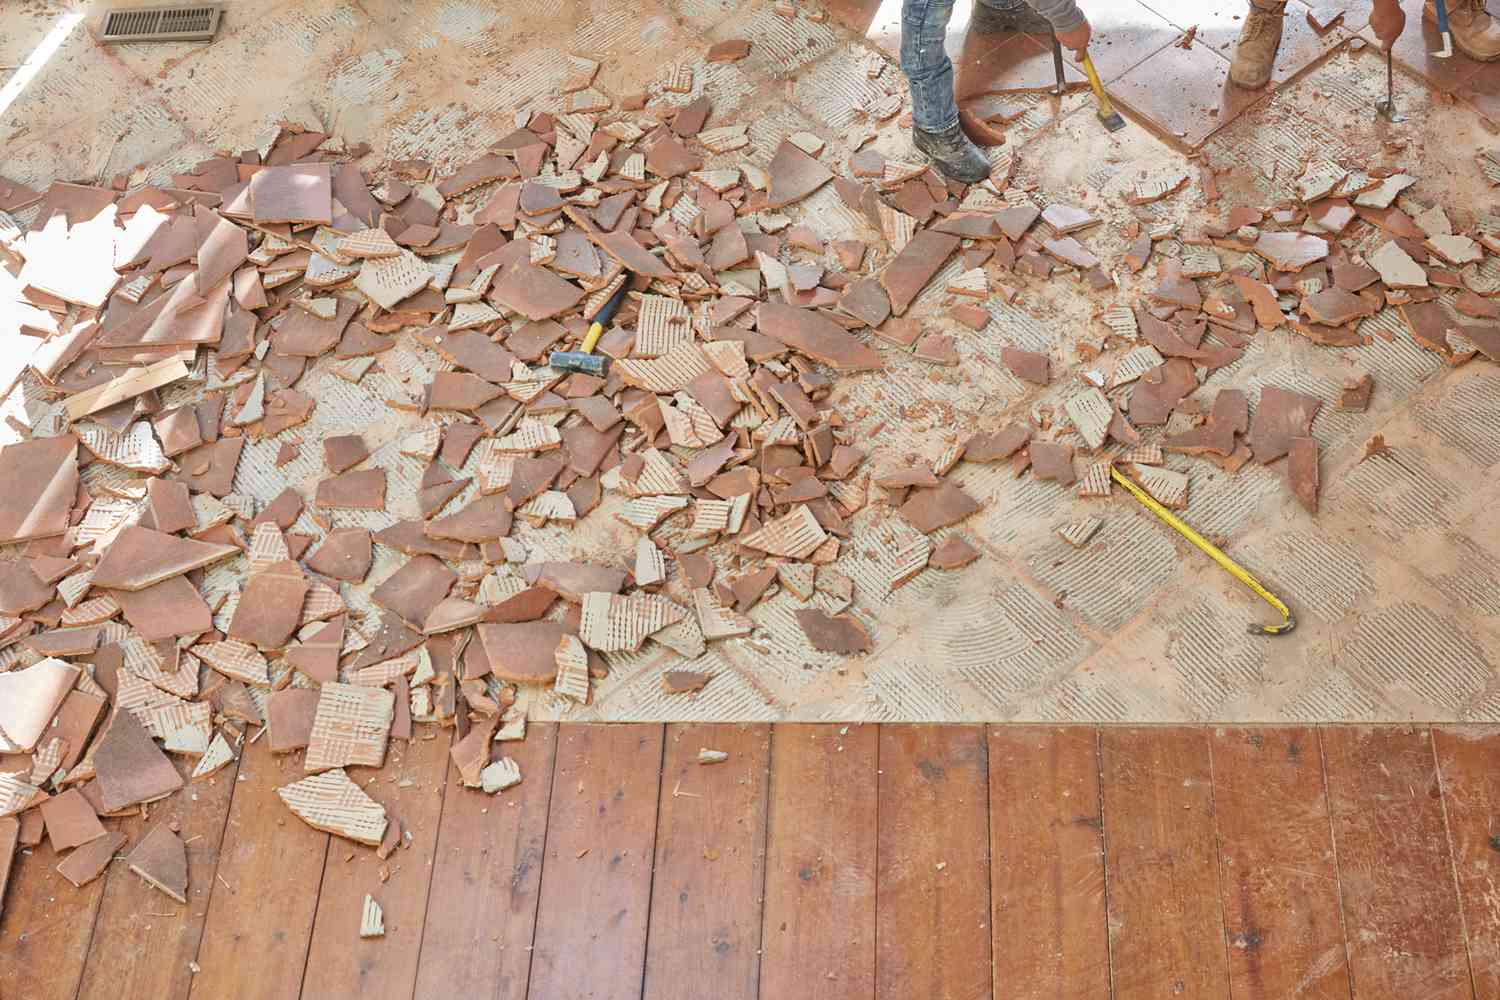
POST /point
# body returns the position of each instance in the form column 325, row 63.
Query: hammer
column 585, row 360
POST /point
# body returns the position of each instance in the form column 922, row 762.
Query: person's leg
column 934, row 112
column 1475, row 33
column 1255, row 52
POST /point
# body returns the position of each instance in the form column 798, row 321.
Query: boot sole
column 932, row 162
column 1460, row 46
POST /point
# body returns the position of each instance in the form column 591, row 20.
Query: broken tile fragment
column 351, row 727
column 1302, row 472
column 834, row 634
column 331, row 802
column 371, row 919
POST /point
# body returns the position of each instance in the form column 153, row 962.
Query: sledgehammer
column 584, row 359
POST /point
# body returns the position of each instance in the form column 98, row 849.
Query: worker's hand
column 1387, row 20
column 1077, row 39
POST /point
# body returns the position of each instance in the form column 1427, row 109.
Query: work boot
column 953, row 153
column 993, row 19
column 1255, row 52
column 1475, row 32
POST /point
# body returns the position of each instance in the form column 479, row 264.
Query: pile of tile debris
column 148, row 609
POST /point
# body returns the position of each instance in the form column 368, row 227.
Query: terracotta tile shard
column 631, row 255
column 342, row 453
column 522, row 653
column 371, row 919
column 41, row 478
column 344, row 555
column 866, row 300
column 996, row 447
column 572, row 680
column 911, row 270
column 614, row 623
column 1028, row 366
column 1091, row 413
column 1052, row 461
column 161, row 859
column 471, row 754
column 140, row 557
column 270, row 607
column 931, row 509
column 1397, row 268
column 524, row 606
column 351, row 727
column 502, row 774
column 301, row 192
column 89, row 861
column 289, row 716
column 237, row 659
column 1168, row 487
column 1065, row 219
column 1356, row 393
column 683, row 681
column 1290, row 251
column 30, row 697
column 331, row 802
column 538, row 294
column 937, row 348
column 716, row 620
column 318, row 656
column 794, row 176
column 952, row 553
column 1262, row 299
column 70, row 820
column 795, row 535
column 1078, row 533
column 360, row 490
column 729, row 50
column 573, row 580
column 819, row 338
column 1280, row 416
column 834, row 634
column 414, row 590
column 1302, row 472
column 129, row 768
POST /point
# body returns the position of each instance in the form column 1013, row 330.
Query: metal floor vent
column 162, row 24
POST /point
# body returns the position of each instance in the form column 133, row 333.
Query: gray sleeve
column 1064, row 14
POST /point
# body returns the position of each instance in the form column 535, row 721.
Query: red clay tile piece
column 952, row 553
column 1230, row 416
column 1302, row 472
column 161, row 859
column 1262, row 299
column 1028, row 366
column 911, row 270
column 344, row 555
column 818, row 338
column 129, row 767
column 70, row 820
column 573, row 580
column 140, row 557
column 289, row 718
column 210, row 468
column 794, row 175
column 997, row 446
column 360, row 490
column 171, row 505
column 318, row 656
column 342, row 453
column 270, row 606
column 1065, row 219
column 1281, row 416
column 631, row 255
column 1336, row 306
column 1052, row 461
column 460, row 391
column 1290, row 251
column 834, row 634
column 971, row 316
column 729, row 50
column 1355, row 395
column 866, row 300
column 937, row 348
column 301, row 192
column 537, row 293
column 1158, row 392
column 87, row 862
column 415, row 589
column 41, row 478
column 930, row 509
column 523, row 606
column 165, row 610
column 522, row 653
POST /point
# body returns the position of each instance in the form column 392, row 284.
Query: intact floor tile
column 1482, row 90
column 1185, row 92
column 1123, row 34
column 998, row 64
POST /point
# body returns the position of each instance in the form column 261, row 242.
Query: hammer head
column 578, row 361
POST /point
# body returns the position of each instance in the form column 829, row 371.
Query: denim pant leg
column 924, row 25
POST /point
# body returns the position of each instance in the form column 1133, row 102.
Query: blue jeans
column 924, row 25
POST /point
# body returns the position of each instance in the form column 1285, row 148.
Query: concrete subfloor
column 1394, row 582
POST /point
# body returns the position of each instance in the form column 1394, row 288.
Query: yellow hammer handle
column 1216, row 554
column 1105, row 107
column 592, row 338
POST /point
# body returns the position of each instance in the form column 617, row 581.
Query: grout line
column 1458, row 892
column 1109, row 945
column 661, row 780
column 1213, row 812
column 1338, row 878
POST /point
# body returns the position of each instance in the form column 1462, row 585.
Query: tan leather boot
column 1475, row 33
column 1255, row 52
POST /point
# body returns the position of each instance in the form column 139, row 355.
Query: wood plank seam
column 1338, row 875
column 93, row 930
column 875, row 928
column 765, row 848
column 437, row 840
column 1213, row 810
column 1109, row 949
column 551, row 774
column 661, row 772
column 317, row 897
column 1458, row 892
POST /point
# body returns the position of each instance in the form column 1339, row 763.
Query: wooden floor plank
column 339, row 962
column 44, row 936
column 145, row 942
column 1277, row 876
column 1469, row 767
column 486, row 877
column 1047, row 864
column 265, row 891
column 710, row 865
column 1166, row 931
column 933, row 884
column 596, row 875
column 819, row 926
column 1401, row 913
